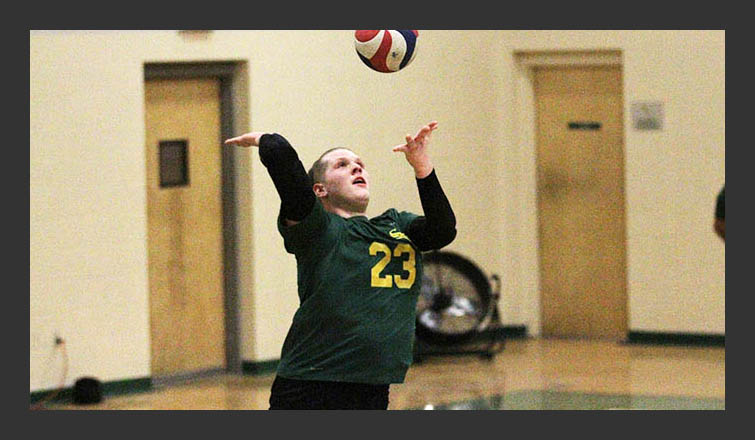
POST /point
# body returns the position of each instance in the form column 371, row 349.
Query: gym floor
column 529, row 374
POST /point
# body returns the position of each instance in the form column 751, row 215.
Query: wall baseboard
column 663, row 338
column 514, row 331
column 504, row 332
column 501, row 333
column 112, row 388
column 259, row 368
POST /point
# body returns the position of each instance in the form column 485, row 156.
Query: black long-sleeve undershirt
column 437, row 228
column 289, row 176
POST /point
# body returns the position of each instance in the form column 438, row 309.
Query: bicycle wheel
column 454, row 299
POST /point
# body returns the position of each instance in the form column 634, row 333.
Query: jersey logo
column 398, row 235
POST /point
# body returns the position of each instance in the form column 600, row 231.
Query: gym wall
column 88, row 252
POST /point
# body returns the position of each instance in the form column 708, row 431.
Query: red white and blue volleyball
column 386, row 50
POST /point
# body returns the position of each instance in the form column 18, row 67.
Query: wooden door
column 185, row 236
column 580, row 179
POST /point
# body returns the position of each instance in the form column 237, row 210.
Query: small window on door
column 174, row 163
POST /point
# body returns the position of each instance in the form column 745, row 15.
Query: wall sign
column 647, row 115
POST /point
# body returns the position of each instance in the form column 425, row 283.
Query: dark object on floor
column 87, row 390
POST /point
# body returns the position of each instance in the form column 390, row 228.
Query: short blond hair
column 317, row 171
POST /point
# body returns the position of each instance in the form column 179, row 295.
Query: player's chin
column 361, row 197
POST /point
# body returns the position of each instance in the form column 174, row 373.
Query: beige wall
column 88, row 278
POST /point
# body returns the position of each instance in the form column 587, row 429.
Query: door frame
column 232, row 78
column 525, row 127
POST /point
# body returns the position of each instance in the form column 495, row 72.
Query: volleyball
column 386, row 50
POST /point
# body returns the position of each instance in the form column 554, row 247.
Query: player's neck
column 345, row 212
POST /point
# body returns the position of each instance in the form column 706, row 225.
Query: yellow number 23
column 387, row 280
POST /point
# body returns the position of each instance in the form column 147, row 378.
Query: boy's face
column 346, row 181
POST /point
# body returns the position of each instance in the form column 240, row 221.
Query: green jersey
column 358, row 281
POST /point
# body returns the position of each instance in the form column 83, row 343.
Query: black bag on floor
column 87, row 390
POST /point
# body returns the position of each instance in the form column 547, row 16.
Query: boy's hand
column 415, row 150
column 246, row 140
